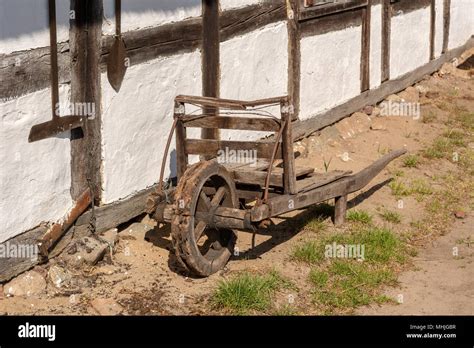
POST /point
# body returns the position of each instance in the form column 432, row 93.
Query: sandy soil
column 142, row 277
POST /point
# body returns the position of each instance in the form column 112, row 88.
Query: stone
column 460, row 214
column 59, row 276
column 376, row 111
column 393, row 98
column 378, row 124
column 106, row 306
column 422, row 89
column 147, row 220
column 368, row 110
column 353, row 125
column 110, row 236
column 30, row 283
column 432, row 95
column 87, row 250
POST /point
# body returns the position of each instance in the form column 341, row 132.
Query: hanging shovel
column 116, row 66
column 57, row 124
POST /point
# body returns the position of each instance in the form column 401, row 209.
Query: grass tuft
column 360, row 216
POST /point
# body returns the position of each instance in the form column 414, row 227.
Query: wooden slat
column 432, row 28
column 329, row 9
column 232, row 122
column 446, row 24
column 257, row 177
column 365, row 53
column 211, row 147
column 320, row 179
column 386, row 35
column 229, row 103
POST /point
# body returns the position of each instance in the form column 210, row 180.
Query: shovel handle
column 118, row 17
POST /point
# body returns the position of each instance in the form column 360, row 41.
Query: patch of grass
column 399, row 189
column 344, row 284
column 316, row 225
column 438, row 149
column 466, row 119
column 418, row 187
column 391, row 216
column 411, row 161
column 248, row 292
column 430, row 117
column 309, row 252
column 359, row 216
column 455, row 137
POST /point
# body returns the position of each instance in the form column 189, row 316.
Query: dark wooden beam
column 386, row 30
column 446, row 24
column 210, row 54
column 294, row 56
column 85, row 45
column 432, row 28
column 365, row 53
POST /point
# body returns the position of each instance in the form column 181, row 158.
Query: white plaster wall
column 410, row 41
column 462, row 22
column 229, row 4
column 330, row 70
column 255, row 66
column 376, row 46
column 34, row 177
column 439, row 28
column 24, row 24
column 136, row 122
column 138, row 14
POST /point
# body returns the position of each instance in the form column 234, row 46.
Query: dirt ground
column 141, row 276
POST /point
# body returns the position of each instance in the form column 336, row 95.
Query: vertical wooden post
column 181, row 157
column 289, row 176
column 447, row 24
column 210, row 58
column 340, row 210
column 386, row 37
column 432, row 29
column 365, row 58
column 294, row 55
column 85, row 46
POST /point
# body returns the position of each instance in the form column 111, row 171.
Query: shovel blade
column 116, row 65
column 56, row 126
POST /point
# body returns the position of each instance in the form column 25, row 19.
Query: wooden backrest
column 280, row 147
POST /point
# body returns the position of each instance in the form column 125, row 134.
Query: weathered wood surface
column 320, row 179
column 210, row 147
column 329, row 9
column 257, row 177
column 232, row 122
column 85, row 38
column 340, row 210
column 12, row 266
column 294, row 56
column 365, row 52
column 386, row 37
column 446, row 24
column 111, row 215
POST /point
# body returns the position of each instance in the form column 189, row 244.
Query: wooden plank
column 365, row 53
column 335, row 22
column 111, row 215
column 229, row 103
column 85, row 45
column 210, row 54
column 386, row 37
column 401, row 7
column 289, row 175
column 432, row 29
column 446, row 24
column 305, row 128
column 181, row 156
column 340, row 210
column 24, row 72
column 329, row 9
column 257, row 177
column 210, row 147
column 232, row 122
column 320, row 179
column 11, row 266
column 294, row 56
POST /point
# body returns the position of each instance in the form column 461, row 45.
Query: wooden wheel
column 200, row 247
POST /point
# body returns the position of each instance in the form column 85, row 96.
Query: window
column 317, row 8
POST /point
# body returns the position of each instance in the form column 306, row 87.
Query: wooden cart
column 215, row 197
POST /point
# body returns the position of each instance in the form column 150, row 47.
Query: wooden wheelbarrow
column 216, row 197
